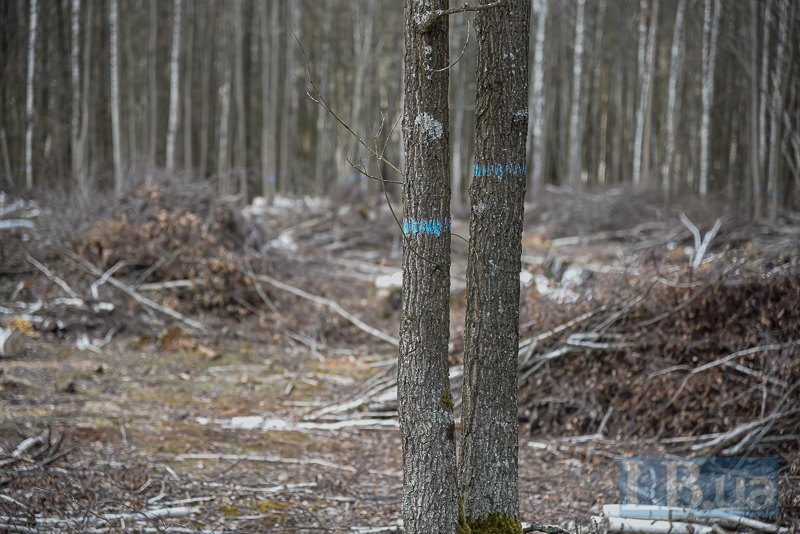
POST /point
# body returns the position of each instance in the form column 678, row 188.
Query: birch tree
column 675, row 69
column 711, row 15
column 575, row 122
column 487, row 471
column 425, row 403
column 536, row 98
column 116, row 141
column 174, row 85
column 29, row 94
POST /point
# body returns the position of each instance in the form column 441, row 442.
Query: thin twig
column 431, row 18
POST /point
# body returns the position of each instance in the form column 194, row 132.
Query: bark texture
column 488, row 479
column 425, row 405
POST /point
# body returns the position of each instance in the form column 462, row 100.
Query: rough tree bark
column 487, row 472
column 576, row 111
column 536, row 99
column 174, row 85
column 29, row 109
column 425, row 403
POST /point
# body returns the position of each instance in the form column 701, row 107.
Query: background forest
column 687, row 96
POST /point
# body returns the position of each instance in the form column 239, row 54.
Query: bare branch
column 428, row 22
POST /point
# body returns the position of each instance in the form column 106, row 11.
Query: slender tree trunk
column 188, row 86
column 647, row 64
column 29, row 93
column 75, row 107
column 223, row 158
column 763, row 118
column 755, row 142
column 675, row 69
column 458, row 167
column 425, row 403
column 274, row 76
column 324, row 151
column 576, row 112
column 711, row 16
column 488, row 479
column 600, row 101
column 289, row 138
column 174, row 86
column 241, row 115
column 152, row 53
column 83, row 139
column 536, row 100
column 116, row 140
column 776, row 111
column 362, row 41
column 205, row 95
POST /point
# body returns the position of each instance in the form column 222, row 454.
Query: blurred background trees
column 693, row 97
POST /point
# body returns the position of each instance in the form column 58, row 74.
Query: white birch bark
column 575, row 121
column 711, row 16
column 675, row 70
column 174, row 85
column 29, row 87
column 536, row 99
column 75, row 81
column 116, row 143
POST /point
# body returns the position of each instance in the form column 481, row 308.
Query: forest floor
column 254, row 391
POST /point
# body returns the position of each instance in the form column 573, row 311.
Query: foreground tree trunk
column 425, row 402
column 487, row 474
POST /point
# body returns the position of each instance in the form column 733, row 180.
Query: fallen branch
column 144, row 301
column 52, row 277
column 333, row 306
column 655, row 514
column 98, row 519
column 266, row 459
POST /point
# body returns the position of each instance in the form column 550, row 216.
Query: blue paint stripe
column 415, row 227
column 498, row 170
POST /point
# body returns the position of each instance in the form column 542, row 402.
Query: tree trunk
column 116, row 140
column 83, row 139
column 755, row 144
column 710, row 31
column 152, row 56
column 425, row 403
column 205, row 95
column 188, row 86
column 646, row 64
column 223, row 158
column 675, row 69
column 324, row 152
column 576, row 112
column 776, row 111
column 488, row 479
column 29, row 94
column 174, row 86
column 75, row 107
column 536, row 100
column 241, row 115
column 763, row 118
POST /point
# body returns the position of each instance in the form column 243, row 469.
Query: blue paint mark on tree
column 414, row 227
column 498, row 170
